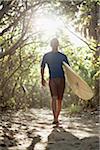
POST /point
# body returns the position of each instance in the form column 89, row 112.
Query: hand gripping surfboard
column 77, row 84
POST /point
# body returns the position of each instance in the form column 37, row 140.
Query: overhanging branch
column 80, row 38
column 93, row 49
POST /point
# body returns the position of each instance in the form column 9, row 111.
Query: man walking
column 54, row 59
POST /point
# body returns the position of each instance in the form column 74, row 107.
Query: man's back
column 54, row 61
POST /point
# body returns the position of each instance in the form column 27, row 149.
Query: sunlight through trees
column 26, row 28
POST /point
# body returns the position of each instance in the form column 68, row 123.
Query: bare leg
column 59, row 108
column 54, row 108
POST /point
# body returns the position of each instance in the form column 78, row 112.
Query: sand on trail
column 33, row 130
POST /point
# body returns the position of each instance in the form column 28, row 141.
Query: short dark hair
column 54, row 40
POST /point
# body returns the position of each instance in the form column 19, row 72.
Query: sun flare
column 50, row 26
column 53, row 26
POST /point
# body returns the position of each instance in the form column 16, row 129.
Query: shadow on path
column 60, row 139
column 34, row 141
column 7, row 140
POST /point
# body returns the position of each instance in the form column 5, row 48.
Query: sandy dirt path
column 33, row 130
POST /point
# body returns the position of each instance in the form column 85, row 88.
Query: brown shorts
column 57, row 86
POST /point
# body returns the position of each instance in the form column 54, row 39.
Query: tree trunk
column 95, row 34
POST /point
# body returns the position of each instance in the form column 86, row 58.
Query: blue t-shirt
column 54, row 60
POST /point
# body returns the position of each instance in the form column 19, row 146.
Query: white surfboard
column 77, row 84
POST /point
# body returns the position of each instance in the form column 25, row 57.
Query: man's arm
column 66, row 60
column 42, row 76
column 43, row 82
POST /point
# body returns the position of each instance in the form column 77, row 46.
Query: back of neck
column 54, row 50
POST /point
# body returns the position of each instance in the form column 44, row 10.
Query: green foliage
column 20, row 83
column 11, row 103
column 81, row 61
column 74, row 109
